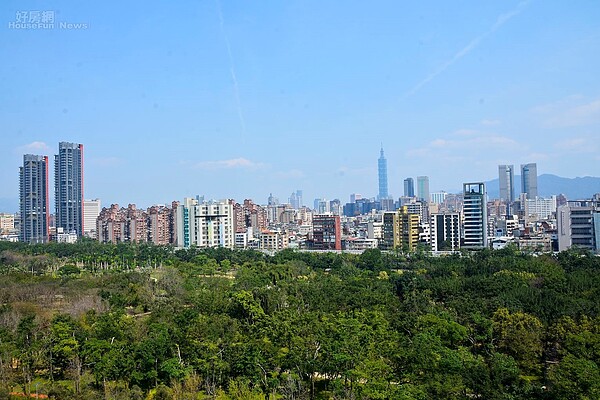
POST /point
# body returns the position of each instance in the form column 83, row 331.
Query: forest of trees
column 98, row 321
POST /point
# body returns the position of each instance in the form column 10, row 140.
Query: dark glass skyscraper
column 383, row 181
column 409, row 187
column 34, row 205
column 68, row 184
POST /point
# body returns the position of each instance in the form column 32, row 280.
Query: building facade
column 400, row 230
column 34, row 199
column 445, row 231
column 423, row 188
column 475, row 216
column 205, row 224
column 91, row 211
column 529, row 180
column 383, row 179
column 506, row 181
column 578, row 224
column 409, row 187
column 68, row 185
column 327, row 232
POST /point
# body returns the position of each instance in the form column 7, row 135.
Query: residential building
column 160, row 225
column 538, row 208
column 34, row 199
column 474, row 216
column 400, row 230
column 529, row 183
column 506, row 179
column 438, row 197
column 579, row 225
column 7, row 223
column 206, row 224
column 91, row 211
column 68, row 185
column 273, row 240
column 65, row 237
column 327, row 232
column 445, row 231
column 110, row 225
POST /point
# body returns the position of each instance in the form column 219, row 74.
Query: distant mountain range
column 548, row 184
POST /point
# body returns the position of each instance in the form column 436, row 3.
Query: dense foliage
column 92, row 321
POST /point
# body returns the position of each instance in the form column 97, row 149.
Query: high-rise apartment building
column 206, row 224
column 160, row 225
column 68, row 185
column 34, row 200
column 578, row 225
column 327, row 232
column 383, row 179
column 475, row 216
column 400, row 230
column 529, row 183
column 506, row 180
column 91, row 211
column 445, row 231
column 409, row 187
column 423, row 188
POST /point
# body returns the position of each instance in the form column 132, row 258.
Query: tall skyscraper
column 475, row 216
column 506, row 181
column 409, row 187
column 68, row 184
column 299, row 198
column 35, row 216
column 529, row 180
column 383, row 180
column 423, row 188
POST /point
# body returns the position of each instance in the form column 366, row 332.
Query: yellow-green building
column 400, row 230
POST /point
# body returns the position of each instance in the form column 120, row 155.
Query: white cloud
column 34, row 147
column 569, row 112
column 479, row 141
column 577, row 145
column 490, row 122
column 237, row 163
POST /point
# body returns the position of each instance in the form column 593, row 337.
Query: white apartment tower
column 205, row 224
column 91, row 211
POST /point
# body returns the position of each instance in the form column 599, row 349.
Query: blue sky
column 239, row 99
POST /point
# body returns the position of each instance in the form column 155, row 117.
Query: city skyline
column 71, row 158
column 235, row 95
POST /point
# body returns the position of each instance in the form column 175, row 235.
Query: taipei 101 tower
column 383, row 181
